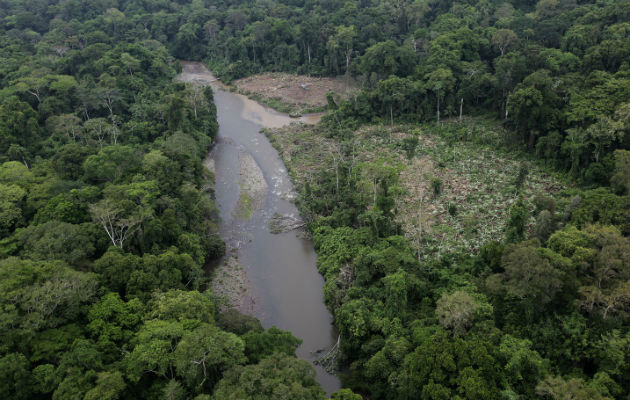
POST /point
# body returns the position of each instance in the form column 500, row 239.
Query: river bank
column 197, row 73
column 270, row 276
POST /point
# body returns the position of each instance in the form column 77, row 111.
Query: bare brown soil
column 303, row 92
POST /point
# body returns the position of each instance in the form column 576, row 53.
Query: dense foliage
column 541, row 315
column 555, row 71
column 107, row 219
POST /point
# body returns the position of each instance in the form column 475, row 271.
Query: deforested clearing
column 294, row 93
column 477, row 181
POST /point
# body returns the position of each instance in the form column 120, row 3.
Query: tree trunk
column 36, row 94
column 461, row 107
column 391, row 115
column 532, row 139
column 438, row 108
column 440, row 248
column 374, row 187
column 336, row 174
column 420, row 230
column 506, row 105
column 348, row 52
column 308, row 51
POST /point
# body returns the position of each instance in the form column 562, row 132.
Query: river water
column 283, row 286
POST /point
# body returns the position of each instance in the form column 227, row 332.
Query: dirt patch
column 230, row 284
column 294, row 93
column 197, row 74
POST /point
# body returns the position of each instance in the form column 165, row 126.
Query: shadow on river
column 273, row 276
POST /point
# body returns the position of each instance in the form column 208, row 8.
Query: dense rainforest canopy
column 107, row 217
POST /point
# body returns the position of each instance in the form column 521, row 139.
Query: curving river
column 271, row 276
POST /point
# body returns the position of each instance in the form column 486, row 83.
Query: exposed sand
column 252, row 186
column 197, row 73
column 265, row 116
column 230, row 283
column 209, row 163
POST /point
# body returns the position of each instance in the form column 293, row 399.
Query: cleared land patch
column 293, row 94
column 451, row 195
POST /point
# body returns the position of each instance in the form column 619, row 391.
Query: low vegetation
column 451, row 194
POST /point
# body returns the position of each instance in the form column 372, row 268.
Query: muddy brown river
column 271, row 276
